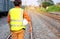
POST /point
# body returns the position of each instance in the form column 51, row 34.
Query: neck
column 17, row 6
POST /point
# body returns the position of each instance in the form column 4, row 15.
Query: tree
column 51, row 1
column 41, row 1
column 45, row 4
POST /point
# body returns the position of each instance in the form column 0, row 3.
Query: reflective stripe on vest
column 16, row 16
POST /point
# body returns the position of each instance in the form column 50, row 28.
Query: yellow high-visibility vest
column 16, row 19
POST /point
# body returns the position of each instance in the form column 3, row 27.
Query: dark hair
column 17, row 2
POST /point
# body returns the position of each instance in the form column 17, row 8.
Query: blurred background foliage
column 53, row 8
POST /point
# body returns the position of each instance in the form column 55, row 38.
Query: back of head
column 17, row 2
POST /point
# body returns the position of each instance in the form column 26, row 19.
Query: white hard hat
column 25, row 22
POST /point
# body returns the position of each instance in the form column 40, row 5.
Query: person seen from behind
column 15, row 20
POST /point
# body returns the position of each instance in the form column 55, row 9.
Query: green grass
column 53, row 9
